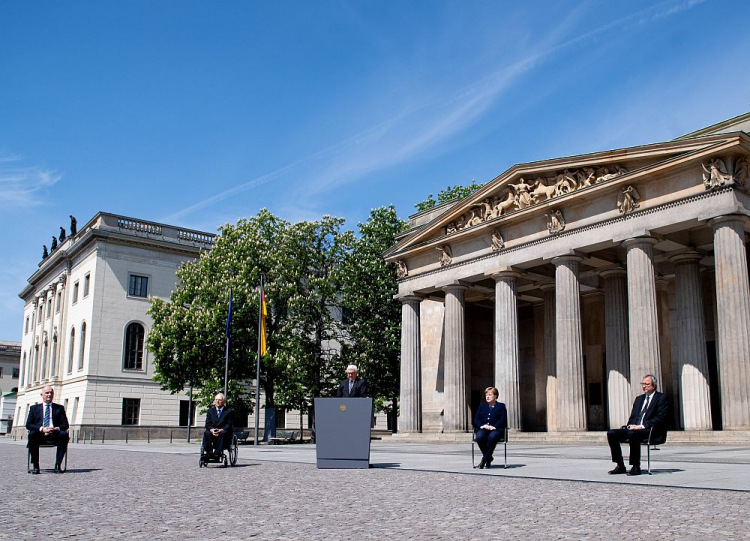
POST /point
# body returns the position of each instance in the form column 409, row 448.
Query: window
column 49, row 308
column 26, row 330
column 75, row 411
column 184, row 409
column 75, row 293
column 16, row 373
column 58, row 302
column 134, row 334
column 130, row 410
column 82, row 346
column 138, row 286
column 53, row 359
column 23, row 365
column 1, row 371
column 86, row 283
column 40, row 309
column 280, row 418
column 72, row 349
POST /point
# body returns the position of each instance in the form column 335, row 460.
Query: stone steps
column 719, row 437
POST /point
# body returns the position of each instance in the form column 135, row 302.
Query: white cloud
column 21, row 184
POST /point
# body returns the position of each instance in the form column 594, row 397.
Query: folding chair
column 504, row 441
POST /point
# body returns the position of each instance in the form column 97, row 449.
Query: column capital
column 454, row 287
column 610, row 273
column 687, row 257
column 566, row 258
column 627, row 243
column 741, row 218
column 408, row 298
column 506, row 274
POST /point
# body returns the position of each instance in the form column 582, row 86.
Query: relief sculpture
column 446, row 256
column 498, row 243
column 715, row 174
column 524, row 194
column 741, row 170
column 628, row 199
column 401, row 269
column 555, row 222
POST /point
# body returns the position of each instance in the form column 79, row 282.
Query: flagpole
column 226, row 350
column 257, row 365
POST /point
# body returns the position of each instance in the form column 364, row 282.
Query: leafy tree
column 188, row 335
column 373, row 324
column 448, row 194
column 312, row 331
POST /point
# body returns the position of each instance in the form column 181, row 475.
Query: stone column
column 643, row 325
column 506, row 345
column 548, row 293
column 571, row 395
column 692, row 359
column 456, row 410
column 733, row 320
column 617, row 347
column 410, row 409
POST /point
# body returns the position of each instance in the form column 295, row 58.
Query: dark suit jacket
column 358, row 391
column 656, row 415
column 36, row 418
column 497, row 416
column 224, row 422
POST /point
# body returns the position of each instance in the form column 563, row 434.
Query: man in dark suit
column 47, row 423
column 352, row 386
column 650, row 410
column 219, row 427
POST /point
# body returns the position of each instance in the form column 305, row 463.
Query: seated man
column 650, row 410
column 218, row 433
column 47, row 423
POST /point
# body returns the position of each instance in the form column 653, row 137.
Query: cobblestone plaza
column 157, row 491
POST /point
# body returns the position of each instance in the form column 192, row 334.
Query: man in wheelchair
column 218, row 434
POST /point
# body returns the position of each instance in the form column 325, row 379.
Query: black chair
column 228, row 455
column 651, row 444
column 504, row 441
column 63, row 466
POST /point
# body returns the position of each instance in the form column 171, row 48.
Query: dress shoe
column 618, row 470
column 58, row 469
column 488, row 464
column 35, row 471
column 481, row 464
column 635, row 470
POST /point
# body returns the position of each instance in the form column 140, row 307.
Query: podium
column 342, row 432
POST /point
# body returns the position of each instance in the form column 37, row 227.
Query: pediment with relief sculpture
column 538, row 185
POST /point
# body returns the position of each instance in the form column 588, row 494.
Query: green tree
column 187, row 338
column 373, row 322
column 448, row 194
column 312, row 330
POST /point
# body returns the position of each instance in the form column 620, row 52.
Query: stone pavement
column 157, row 491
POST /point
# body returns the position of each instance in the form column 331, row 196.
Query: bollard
column 103, row 432
column 91, row 437
column 126, row 437
column 170, row 436
column 148, row 436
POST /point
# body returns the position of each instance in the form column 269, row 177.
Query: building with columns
column 86, row 322
column 562, row 282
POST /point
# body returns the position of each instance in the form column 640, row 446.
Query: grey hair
column 653, row 380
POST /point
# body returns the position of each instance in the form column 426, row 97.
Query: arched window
column 36, row 362
column 23, row 374
column 53, row 359
column 72, row 349
column 83, row 346
column 134, row 334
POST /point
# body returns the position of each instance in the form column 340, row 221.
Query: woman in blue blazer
column 489, row 425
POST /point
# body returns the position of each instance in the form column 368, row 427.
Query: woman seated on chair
column 489, row 425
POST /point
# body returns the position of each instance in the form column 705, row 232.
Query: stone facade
column 80, row 304
column 563, row 282
column 10, row 359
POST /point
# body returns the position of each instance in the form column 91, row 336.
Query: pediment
column 524, row 187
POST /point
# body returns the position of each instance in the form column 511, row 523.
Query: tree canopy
column 448, row 194
column 329, row 298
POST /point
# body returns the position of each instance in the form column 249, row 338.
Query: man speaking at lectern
column 352, row 386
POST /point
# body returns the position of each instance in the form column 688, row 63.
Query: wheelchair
column 228, row 455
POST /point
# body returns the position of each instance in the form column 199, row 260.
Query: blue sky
column 199, row 113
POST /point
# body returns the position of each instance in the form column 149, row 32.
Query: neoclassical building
column 562, row 282
column 85, row 325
